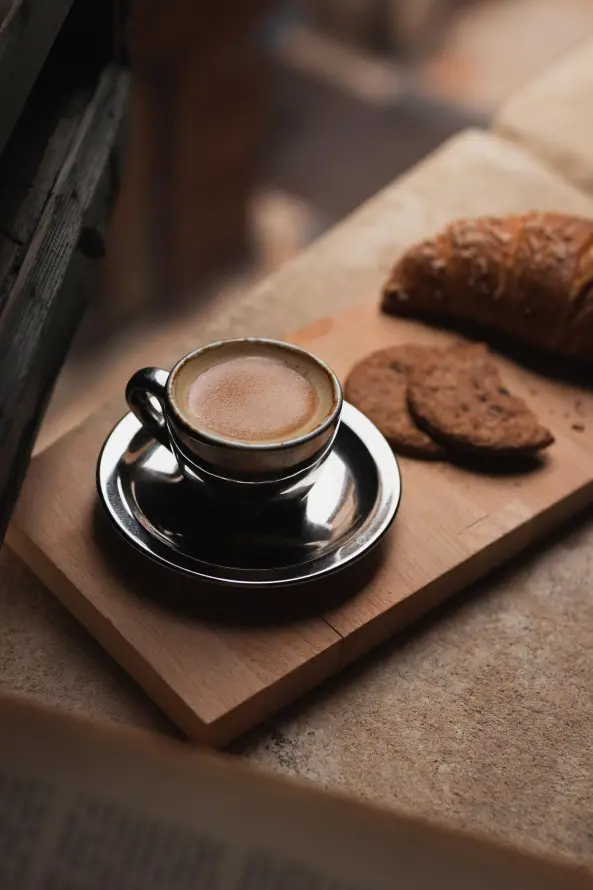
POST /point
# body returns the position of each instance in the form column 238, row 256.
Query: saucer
column 166, row 517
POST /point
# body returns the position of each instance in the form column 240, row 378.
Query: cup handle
column 141, row 386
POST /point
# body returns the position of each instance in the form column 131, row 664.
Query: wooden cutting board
column 217, row 679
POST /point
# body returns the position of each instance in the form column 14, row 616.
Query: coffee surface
column 253, row 399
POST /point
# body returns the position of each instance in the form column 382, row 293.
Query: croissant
column 527, row 276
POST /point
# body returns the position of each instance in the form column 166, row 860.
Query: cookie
column 377, row 386
column 460, row 400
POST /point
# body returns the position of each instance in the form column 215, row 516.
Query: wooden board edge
column 284, row 692
column 107, row 635
column 215, row 733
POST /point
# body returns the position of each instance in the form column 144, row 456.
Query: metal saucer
column 159, row 512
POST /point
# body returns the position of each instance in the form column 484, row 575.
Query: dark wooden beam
column 44, row 304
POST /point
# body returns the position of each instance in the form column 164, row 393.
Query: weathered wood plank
column 46, row 129
column 29, row 168
column 42, row 309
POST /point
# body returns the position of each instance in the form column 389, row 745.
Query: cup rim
column 220, row 441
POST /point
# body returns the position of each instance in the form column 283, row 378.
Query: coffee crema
column 253, row 398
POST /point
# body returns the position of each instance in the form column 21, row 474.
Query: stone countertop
column 481, row 716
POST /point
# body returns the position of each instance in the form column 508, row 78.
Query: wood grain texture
column 41, row 311
column 216, row 681
column 47, row 126
column 28, row 170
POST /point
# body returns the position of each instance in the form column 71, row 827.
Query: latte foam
column 253, row 398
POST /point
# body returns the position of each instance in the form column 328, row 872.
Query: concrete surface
column 482, row 716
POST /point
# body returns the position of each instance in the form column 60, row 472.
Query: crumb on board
column 578, row 427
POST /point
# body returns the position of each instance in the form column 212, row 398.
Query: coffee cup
column 244, row 417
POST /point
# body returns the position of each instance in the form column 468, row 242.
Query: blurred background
column 287, row 115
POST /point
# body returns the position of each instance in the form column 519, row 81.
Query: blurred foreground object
column 85, row 805
column 405, row 26
column 196, row 119
column 551, row 116
column 472, row 64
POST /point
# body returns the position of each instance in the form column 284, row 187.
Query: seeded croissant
column 529, row 277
